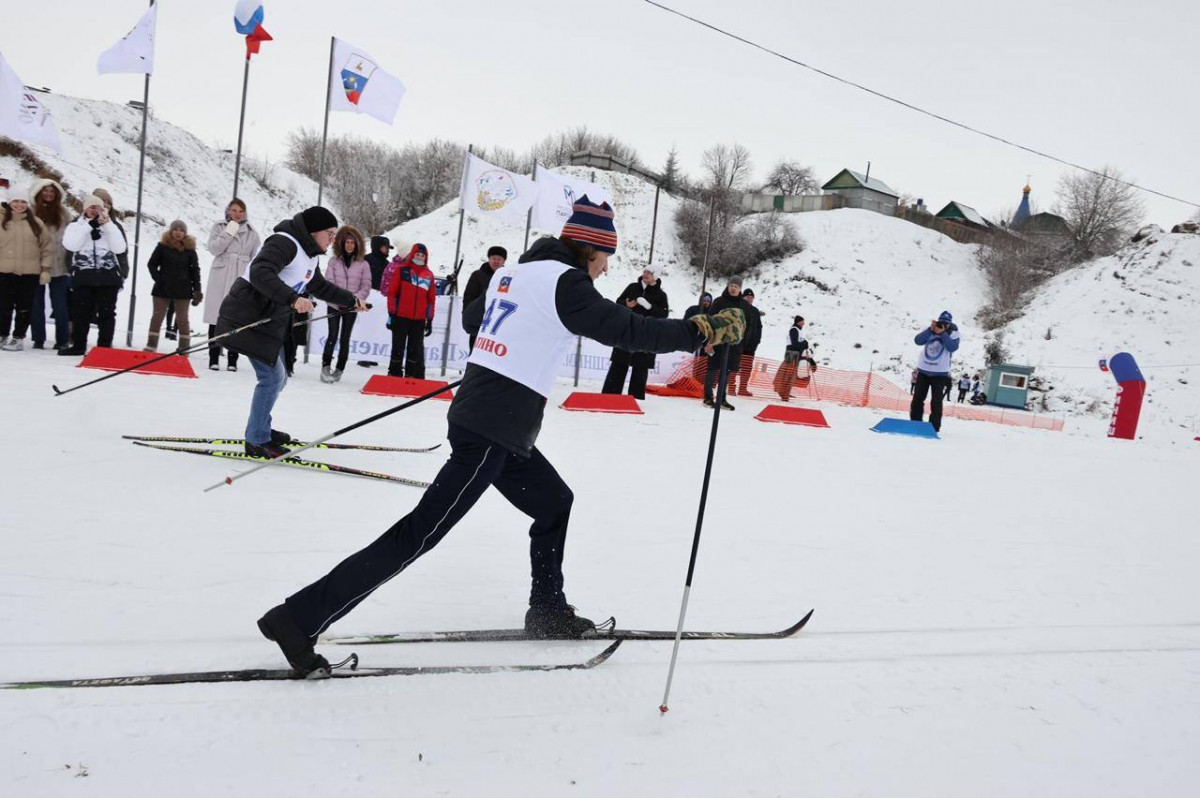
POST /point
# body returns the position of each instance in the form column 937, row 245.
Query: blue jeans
column 271, row 380
column 60, row 304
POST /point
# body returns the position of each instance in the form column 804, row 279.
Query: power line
column 916, row 108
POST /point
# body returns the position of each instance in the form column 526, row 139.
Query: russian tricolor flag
column 248, row 18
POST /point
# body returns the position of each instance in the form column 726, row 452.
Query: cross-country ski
column 632, row 332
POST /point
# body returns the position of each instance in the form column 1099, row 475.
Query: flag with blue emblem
column 361, row 86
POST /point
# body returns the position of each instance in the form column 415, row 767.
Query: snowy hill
column 1144, row 300
column 185, row 178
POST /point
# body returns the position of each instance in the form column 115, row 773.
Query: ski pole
column 229, row 480
column 687, row 587
column 204, row 344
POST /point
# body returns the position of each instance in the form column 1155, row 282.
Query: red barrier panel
column 106, row 359
column 381, row 385
column 804, row 416
column 764, row 378
column 602, row 403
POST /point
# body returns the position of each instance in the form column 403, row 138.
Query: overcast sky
column 1092, row 81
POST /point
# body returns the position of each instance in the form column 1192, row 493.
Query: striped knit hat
column 592, row 224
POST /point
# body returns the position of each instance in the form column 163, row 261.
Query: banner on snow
column 372, row 340
column 557, row 194
column 135, row 52
column 488, row 190
column 22, row 116
column 359, row 85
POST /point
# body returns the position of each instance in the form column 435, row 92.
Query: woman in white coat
column 233, row 243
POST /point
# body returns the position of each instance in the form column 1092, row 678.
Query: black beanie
column 318, row 218
column 501, row 251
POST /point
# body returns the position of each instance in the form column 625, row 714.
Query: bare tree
column 790, row 178
column 1101, row 210
column 727, row 166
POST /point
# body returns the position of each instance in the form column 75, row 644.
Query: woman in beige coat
column 47, row 201
column 25, row 249
column 233, row 243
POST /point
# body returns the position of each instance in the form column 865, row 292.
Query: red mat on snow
column 107, row 359
column 602, row 403
column 381, row 385
column 804, row 416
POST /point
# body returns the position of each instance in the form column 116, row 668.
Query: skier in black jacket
column 272, row 287
column 526, row 322
column 480, row 278
column 731, row 297
column 645, row 298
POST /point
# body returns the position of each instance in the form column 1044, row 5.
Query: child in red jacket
column 411, row 292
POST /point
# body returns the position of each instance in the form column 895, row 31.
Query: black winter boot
column 278, row 627
column 561, row 622
column 270, row 450
column 280, row 438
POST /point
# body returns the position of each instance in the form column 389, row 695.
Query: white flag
column 557, row 195
column 22, row 117
column 488, row 190
column 134, row 53
column 358, row 84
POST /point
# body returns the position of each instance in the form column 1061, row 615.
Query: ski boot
column 557, row 622
column 278, row 627
column 269, row 450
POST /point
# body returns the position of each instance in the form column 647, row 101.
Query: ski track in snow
column 1002, row 612
column 996, row 612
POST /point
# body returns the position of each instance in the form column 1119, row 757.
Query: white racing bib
column 521, row 335
column 297, row 274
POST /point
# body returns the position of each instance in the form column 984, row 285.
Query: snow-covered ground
column 1144, row 300
column 1002, row 612
column 185, row 179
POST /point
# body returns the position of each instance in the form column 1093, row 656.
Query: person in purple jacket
column 347, row 268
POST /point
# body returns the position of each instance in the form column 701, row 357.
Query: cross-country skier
column 284, row 269
column 526, row 321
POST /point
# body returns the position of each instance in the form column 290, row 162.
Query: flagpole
column 137, row 222
column 457, row 249
column 654, row 225
column 237, row 163
column 325, row 133
column 529, row 216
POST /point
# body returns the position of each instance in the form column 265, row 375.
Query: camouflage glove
column 726, row 327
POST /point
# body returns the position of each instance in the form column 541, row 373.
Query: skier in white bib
column 526, row 321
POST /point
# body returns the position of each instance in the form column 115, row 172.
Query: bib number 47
column 501, row 309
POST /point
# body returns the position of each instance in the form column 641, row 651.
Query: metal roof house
column 863, row 191
column 963, row 214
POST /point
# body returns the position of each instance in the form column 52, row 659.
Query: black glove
column 95, row 225
column 428, row 327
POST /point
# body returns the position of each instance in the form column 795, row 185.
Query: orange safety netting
column 772, row 380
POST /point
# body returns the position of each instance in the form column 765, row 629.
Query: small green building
column 1008, row 385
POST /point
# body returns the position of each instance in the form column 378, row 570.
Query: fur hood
column 349, row 231
column 188, row 242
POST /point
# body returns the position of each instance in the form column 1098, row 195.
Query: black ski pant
column 714, row 368
column 408, row 348
column 340, row 328
column 622, row 363
column 962, row 394
column 530, row 484
column 16, row 299
column 941, row 386
column 93, row 301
